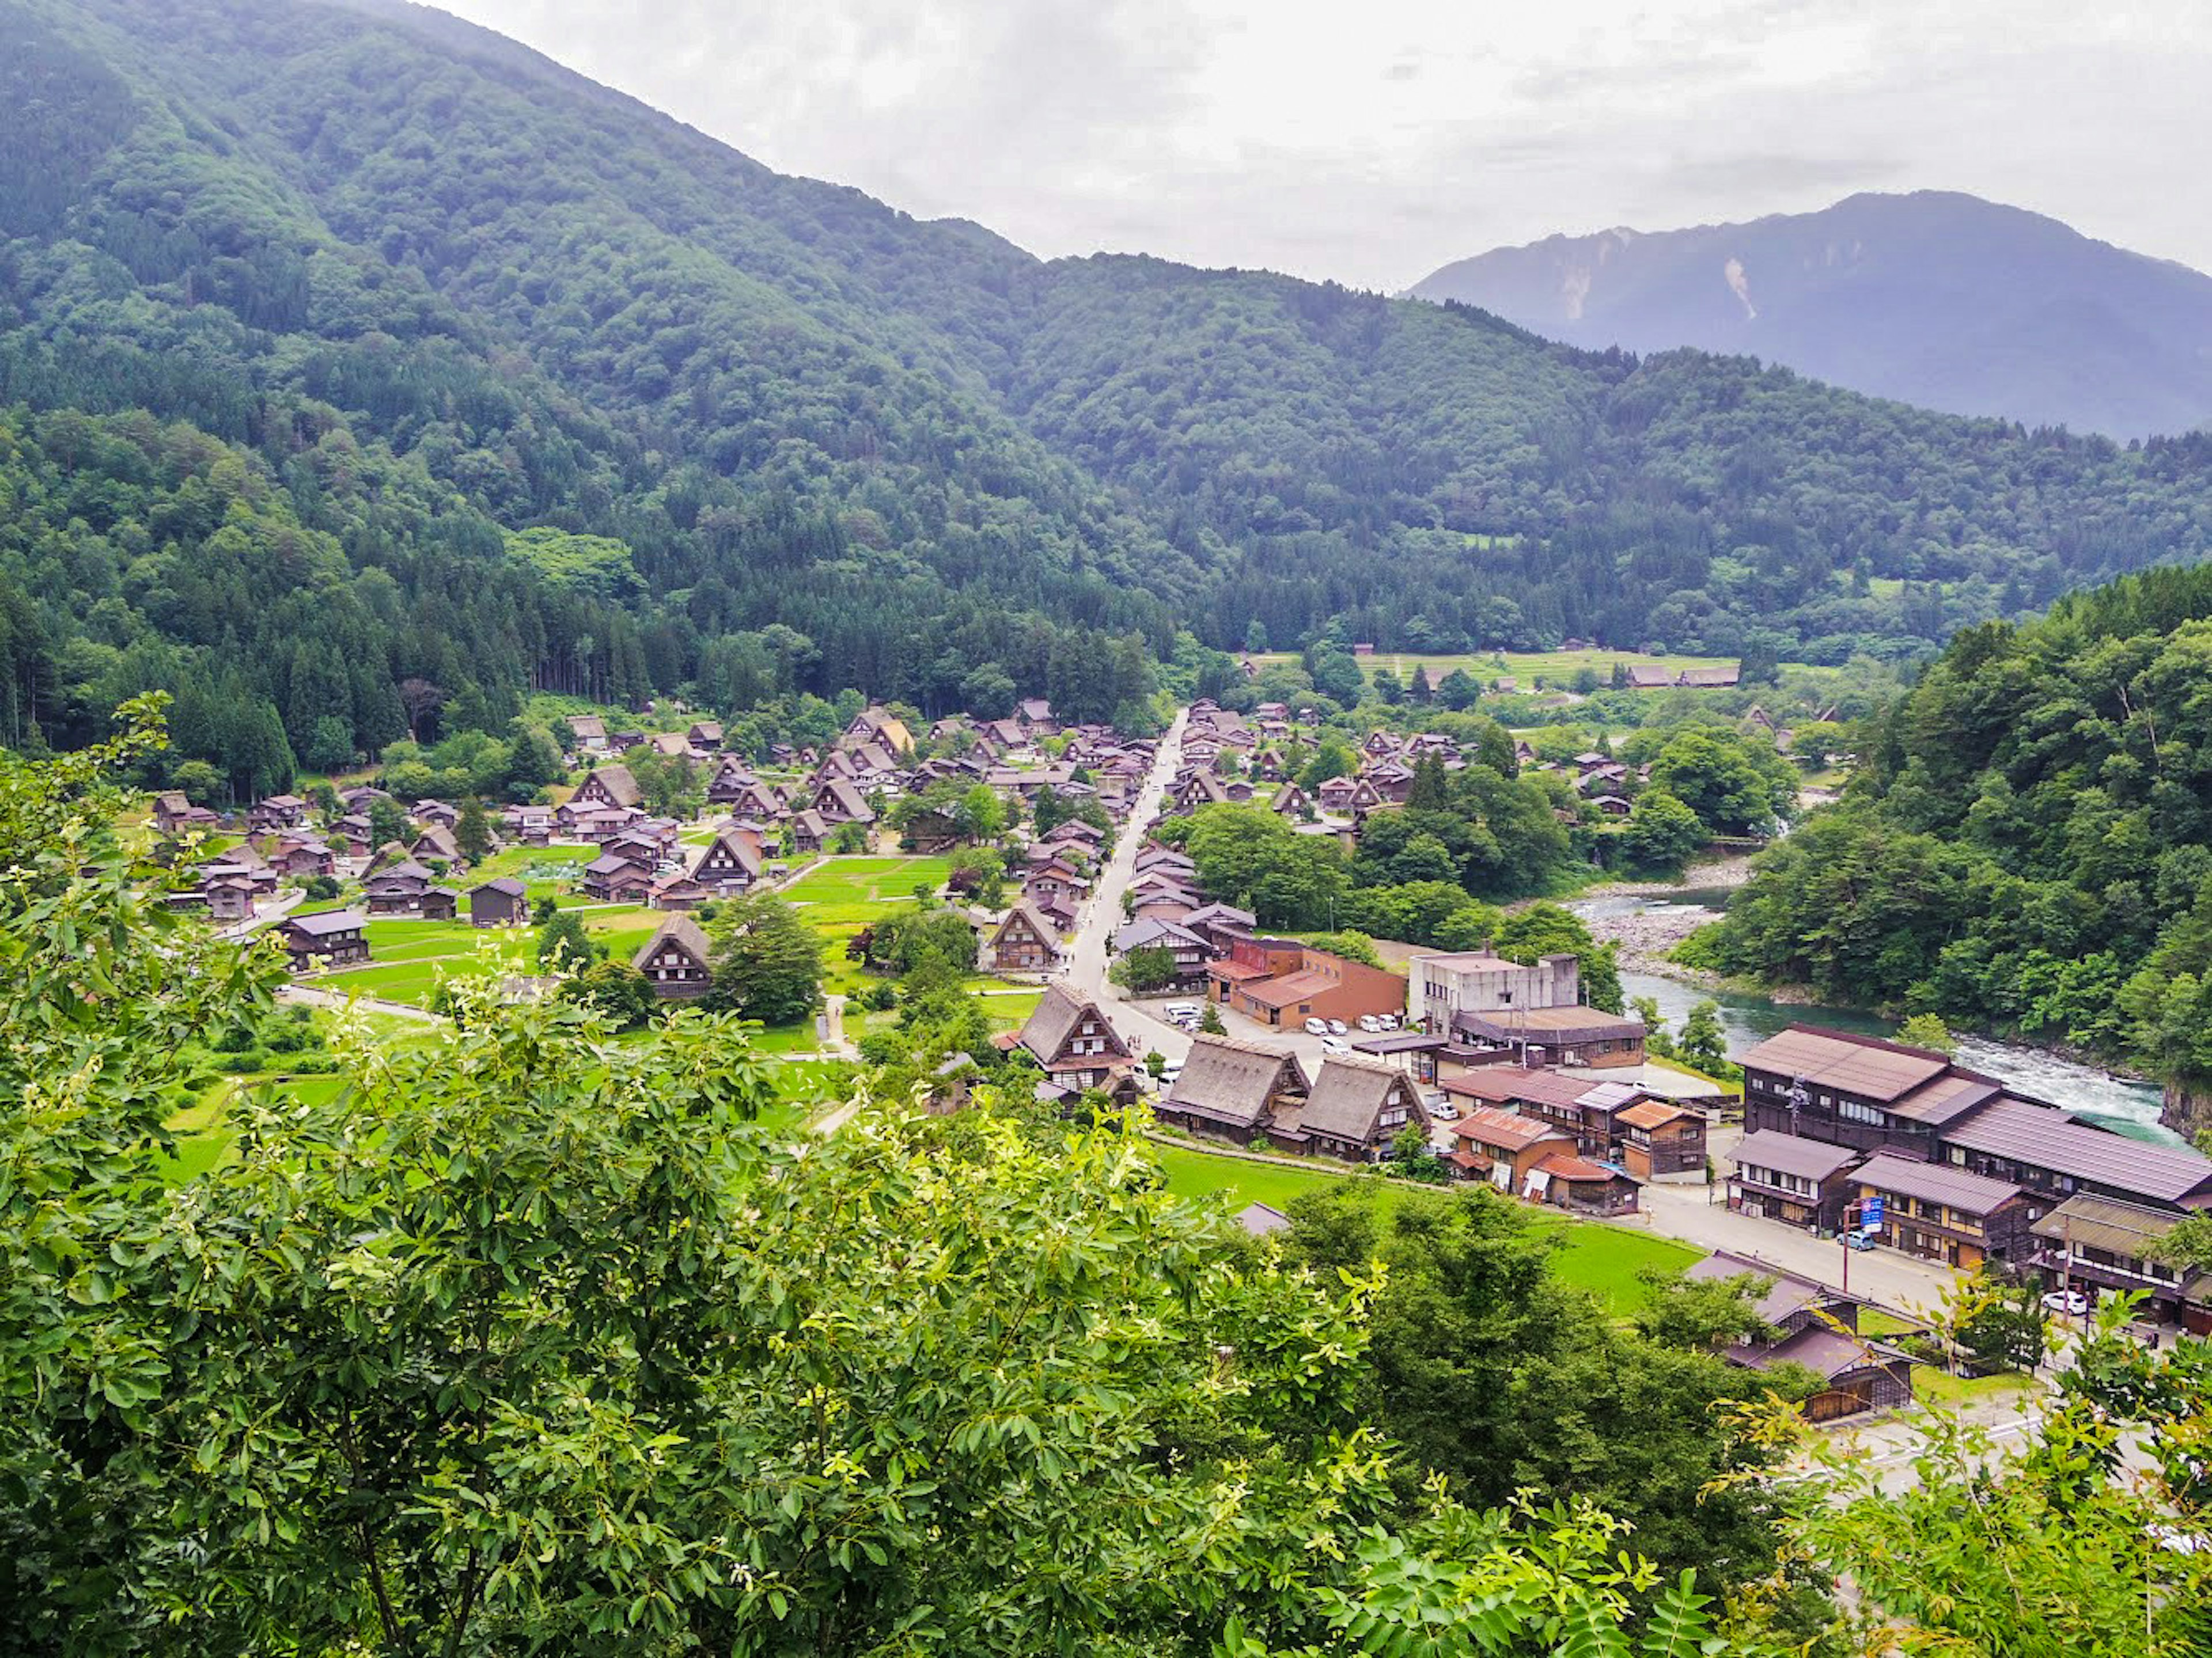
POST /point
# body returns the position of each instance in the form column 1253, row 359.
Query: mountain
column 1934, row 298
column 308, row 311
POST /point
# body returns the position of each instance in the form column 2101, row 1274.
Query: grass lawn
column 1608, row 1260
column 1605, row 1261
column 1200, row 1174
column 1937, row 1386
column 411, row 983
column 1010, row 1010
column 1873, row 1321
column 850, row 892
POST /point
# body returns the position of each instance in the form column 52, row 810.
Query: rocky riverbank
column 1646, row 932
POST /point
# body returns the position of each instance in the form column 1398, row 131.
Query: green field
column 850, row 892
column 1201, row 1175
column 1607, row 1260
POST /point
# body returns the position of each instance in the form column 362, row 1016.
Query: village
column 1837, row 1156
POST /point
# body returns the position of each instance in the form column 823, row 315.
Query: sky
column 1371, row 140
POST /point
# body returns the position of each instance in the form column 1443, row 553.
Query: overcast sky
column 1371, row 140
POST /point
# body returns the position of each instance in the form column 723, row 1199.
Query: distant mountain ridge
column 1934, row 298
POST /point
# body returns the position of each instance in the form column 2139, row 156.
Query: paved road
column 313, row 996
column 1882, row 1275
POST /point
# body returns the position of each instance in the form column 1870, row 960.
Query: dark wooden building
column 1801, row 1183
column 677, row 960
column 1232, row 1091
column 1354, row 1110
column 501, row 903
column 1662, row 1141
column 1945, row 1214
column 326, row 939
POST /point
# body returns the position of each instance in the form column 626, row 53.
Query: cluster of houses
column 1961, row 1169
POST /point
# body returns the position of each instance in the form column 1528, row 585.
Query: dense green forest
column 2027, row 844
column 393, row 291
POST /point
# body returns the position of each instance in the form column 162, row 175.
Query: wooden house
column 677, row 960
column 809, row 833
column 837, row 801
column 437, row 842
column 1661, row 1141
column 397, row 889
column 1800, row 1182
column 1232, row 1091
column 1026, row 942
column 502, row 903
column 1075, row 1043
column 1804, row 1318
column 1500, row 1147
column 440, row 904
column 1353, row 1110
column 589, row 731
column 616, row 880
column 609, row 785
column 229, row 899
column 303, row 860
column 1947, row 1214
column 1582, row 1187
column 334, row 938
column 278, row 811
column 730, row 863
column 2100, row 1245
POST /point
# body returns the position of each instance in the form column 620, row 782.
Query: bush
column 322, row 888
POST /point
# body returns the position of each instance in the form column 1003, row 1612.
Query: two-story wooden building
column 2100, row 1245
column 1024, row 942
column 1662, row 1141
column 1801, row 1183
column 1945, row 1214
column 326, row 939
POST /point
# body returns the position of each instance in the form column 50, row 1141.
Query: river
column 2131, row 1107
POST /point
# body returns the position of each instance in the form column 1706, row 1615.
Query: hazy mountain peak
column 1933, row 297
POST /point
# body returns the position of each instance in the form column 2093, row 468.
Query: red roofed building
column 1283, row 983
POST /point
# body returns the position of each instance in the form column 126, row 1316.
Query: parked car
column 1316, row 1026
column 1179, row 1009
column 1167, row 1077
column 1336, row 1044
column 2070, row 1304
column 1388, row 1020
column 1370, row 1023
column 1336, row 1028
column 1444, row 1111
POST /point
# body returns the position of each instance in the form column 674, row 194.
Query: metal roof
column 327, row 920
column 1954, row 1188
column 1855, row 1065
column 1792, row 1154
column 1945, row 1099
column 2042, row 1137
column 1486, row 1125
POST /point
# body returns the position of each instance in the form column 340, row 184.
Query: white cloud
column 1372, row 142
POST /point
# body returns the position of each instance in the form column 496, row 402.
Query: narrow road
column 1085, row 974
column 313, row 996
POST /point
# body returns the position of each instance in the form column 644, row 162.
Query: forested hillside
column 393, row 289
column 2028, row 845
